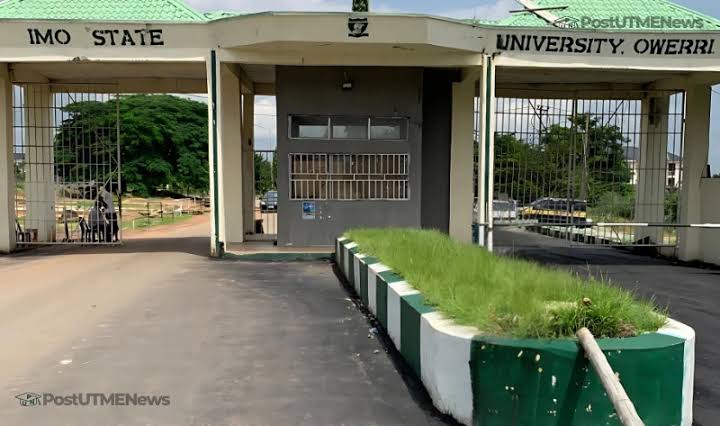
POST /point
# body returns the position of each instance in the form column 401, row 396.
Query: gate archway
column 67, row 164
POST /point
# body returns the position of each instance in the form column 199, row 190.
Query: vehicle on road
column 556, row 211
column 269, row 201
column 504, row 210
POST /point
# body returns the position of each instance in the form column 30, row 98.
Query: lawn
column 148, row 222
column 505, row 296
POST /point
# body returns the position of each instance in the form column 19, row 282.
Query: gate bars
column 591, row 168
column 67, row 164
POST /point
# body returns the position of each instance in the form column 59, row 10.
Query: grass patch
column 504, row 296
column 143, row 223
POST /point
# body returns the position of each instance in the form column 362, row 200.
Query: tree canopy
column 564, row 163
column 164, row 142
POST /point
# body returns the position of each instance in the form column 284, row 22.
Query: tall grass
column 504, row 296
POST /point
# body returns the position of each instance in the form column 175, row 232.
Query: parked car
column 556, row 210
column 505, row 210
column 268, row 203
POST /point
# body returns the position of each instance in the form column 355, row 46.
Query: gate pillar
column 695, row 160
column 230, row 156
column 248, row 162
column 39, row 162
column 651, row 169
column 461, row 157
column 7, row 165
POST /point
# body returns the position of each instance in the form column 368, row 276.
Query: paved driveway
column 231, row 343
column 691, row 294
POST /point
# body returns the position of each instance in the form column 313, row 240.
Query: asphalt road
column 231, row 343
column 691, row 293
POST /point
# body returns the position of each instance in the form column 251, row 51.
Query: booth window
column 388, row 128
column 359, row 128
column 309, row 127
column 349, row 128
column 349, row 177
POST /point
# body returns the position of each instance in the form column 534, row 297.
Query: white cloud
column 253, row 6
column 488, row 11
column 493, row 9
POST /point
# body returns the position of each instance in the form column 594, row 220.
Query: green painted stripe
column 341, row 256
column 551, row 382
column 381, row 300
column 363, row 278
column 371, row 260
column 351, row 267
column 411, row 309
column 381, row 284
column 216, row 186
column 390, row 277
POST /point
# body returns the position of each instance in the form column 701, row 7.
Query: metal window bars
column 66, row 148
column 349, row 177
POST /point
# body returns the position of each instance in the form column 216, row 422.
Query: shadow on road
column 198, row 246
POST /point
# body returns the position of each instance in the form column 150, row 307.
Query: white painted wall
column 39, row 162
column 651, row 170
column 7, row 165
column 710, row 198
column 230, row 155
column 461, row 159
column 697, row 145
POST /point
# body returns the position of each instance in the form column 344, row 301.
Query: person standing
column 110, row 214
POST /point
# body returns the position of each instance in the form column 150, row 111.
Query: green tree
column 265, row 174
column 564, row 163
column 164, row 142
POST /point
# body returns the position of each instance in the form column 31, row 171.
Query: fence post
column 148, row 213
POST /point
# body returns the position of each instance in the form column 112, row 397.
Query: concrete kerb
column 479, row 379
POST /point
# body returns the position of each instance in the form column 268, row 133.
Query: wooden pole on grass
column 615, row 391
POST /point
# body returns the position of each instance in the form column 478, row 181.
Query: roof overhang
column 384, row 40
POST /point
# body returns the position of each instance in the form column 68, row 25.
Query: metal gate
column 266, row 195
column 67, row 164
column 594, row 169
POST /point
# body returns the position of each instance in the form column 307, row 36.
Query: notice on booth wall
column 308, row 210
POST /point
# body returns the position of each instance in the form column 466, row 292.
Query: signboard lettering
column 100, row 37
column 604, row 45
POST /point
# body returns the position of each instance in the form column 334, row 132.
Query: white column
column 486, row 158
column 213, row 152
column 7, row 165
column 230, row 156
column 39, row 162
column 461, row 158
column 652, row 168
column 695, row 160
column 248, row 166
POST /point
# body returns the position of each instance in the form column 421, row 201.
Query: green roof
column 604, row 9
column 178, row 11
column 100, row 10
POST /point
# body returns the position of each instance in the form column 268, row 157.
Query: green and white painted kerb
column 485, row 380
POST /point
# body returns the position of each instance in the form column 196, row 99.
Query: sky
column 480, row 9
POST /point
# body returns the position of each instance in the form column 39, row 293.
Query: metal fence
column 266, row 195
column 595, row 168
column 67, row 164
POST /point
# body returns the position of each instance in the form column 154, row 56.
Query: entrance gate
column 67, row 164
column 596, row 169
column 266, row 195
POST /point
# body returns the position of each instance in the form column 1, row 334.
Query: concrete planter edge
column 480, row 379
